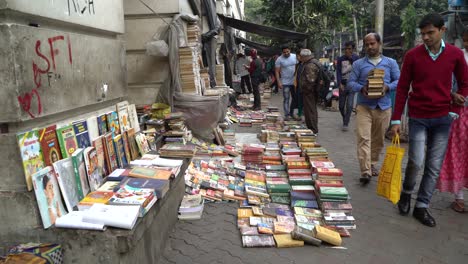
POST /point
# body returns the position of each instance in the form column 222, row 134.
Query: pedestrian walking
column 428, row 70
column 343, row 71
column 372, row 114
column 285, row 67
column 241, row 62
column 308, row 82
column 454, row 172
column 255, row 69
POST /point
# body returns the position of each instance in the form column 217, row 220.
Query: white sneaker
column 345, row 128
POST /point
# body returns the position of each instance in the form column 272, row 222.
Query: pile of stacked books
column 376, row 83
column 257, row 118
column 191, row 207
column 245, row 122
column 177, row 150
column 269, row 136
column 178, row 132
column 252, row 153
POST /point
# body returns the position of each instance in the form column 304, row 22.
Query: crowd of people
column 433, row 83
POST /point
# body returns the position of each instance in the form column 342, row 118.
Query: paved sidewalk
column 382, row 235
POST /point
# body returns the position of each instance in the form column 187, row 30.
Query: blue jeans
column 286, row 95
column 346, row 101
column 428, row 138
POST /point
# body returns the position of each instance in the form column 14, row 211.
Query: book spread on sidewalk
column 122, row 216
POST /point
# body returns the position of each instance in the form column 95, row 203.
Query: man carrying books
column 428, row 70
column 372, row 77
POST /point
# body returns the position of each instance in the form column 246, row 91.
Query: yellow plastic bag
column 389, row 185
column 159, row 110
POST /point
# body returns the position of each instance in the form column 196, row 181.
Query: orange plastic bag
column 389, row 185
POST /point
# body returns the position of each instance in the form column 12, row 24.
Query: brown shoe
column 375, row 171
column 458, row 206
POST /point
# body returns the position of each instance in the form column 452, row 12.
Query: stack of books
column 245, row 122
column 376, row 83
column 193, row 34
column 269, row 136
column 329, row 177
column 191, row 207
column 178, row 132
column 278, row 188
column 177, row 150
column 315, row 153
column 252, row 153
column 190, row 70
column 333, row 194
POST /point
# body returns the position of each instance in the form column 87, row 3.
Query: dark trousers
column 346, row 101
column 245, row 80
column 256, row 92
column 296, row 101
column 310, row 110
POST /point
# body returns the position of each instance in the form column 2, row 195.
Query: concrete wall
column 53, row 62
column 147, row 73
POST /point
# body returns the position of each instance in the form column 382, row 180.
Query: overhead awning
column 261, row 30
column 262, row 49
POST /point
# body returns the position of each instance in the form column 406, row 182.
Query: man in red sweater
column 428, row 70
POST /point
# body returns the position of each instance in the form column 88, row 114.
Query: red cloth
column 454, row 172
column 431, row 82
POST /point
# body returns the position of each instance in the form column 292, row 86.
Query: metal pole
column 379, row 17
column 356, row 39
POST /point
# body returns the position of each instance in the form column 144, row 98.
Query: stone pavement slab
column 382, row 235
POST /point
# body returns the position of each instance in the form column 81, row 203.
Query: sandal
column 458, row 206
column 374, row 171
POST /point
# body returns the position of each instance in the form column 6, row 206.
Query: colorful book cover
column 120, row 151
column 95, row 178
column 122, row 112
column 126, row 146
column 81, row 133
column 48, row 196
column 49, row 145
column 67, row 140
column 98, row 144
column 80, row 173
column 142, row 143
column 109, row 151
column 95, row 197
column 159, row 186
column 113, row 123
column 67, row 181
column 132, row 196
column 93, row 129
column 151, row 173
column 31, row 154
column 102, row 124
column 133, row 117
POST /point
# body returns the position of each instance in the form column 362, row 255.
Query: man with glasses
column 285, row 67
column 428, row 70
column 343, row 71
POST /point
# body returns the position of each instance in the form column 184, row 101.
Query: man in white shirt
column 285, row 66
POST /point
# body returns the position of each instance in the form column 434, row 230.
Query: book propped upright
column 113, row 123
column 109, row 151
column 66, row 179
column 67, row 140
column 80, row 173
column 95, row 178
column 122, row 112
column 48, row 196
column 102, row 124
column 133, row 117
column 31, row 154
column 49, row 145
column 81, row 133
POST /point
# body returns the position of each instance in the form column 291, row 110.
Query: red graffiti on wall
column 27, row 98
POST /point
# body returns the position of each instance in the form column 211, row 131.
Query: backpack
column 323, row 77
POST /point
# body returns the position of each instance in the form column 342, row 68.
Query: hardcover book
column 48, row 196
column 109, row 151
column 102, row 124
column 109, row 186
column 305, row 235
column 258, row 241
column 283, row 227
column 160, row 187
column 152, row 173
column 101, row 197
column 244, row 213
column 65, row 173
column 133, row 117
column 67, row 140
column 31, row 154
column 93, row 129
column 286, row 241
column 81, row 133
column 98, row 144
column 110, row 215
column 49, row 145
column 80, row 173
column 95, row 178
column 327, row 235
column 120, row 151
column 249, row 231
column 134, row 152
column 113, row 123
column 122, row 112
column 126, row 146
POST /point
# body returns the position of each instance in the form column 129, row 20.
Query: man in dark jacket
column 308, row 72
column 255, row 70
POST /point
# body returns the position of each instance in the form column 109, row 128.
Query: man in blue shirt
column 373, row 115
column 285, row 66
column 344, row 65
